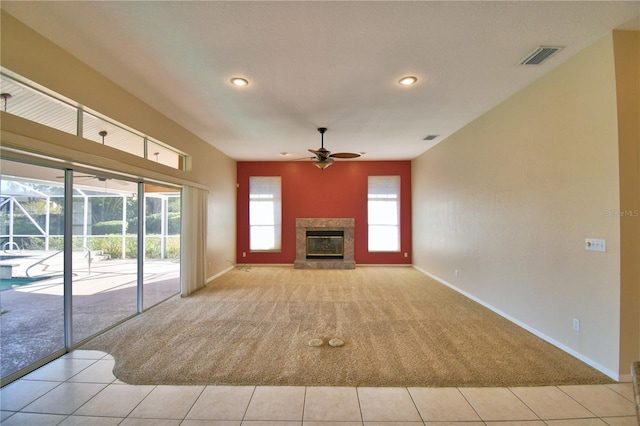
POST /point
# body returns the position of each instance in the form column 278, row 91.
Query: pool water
column 8, row 284
column 10, row 256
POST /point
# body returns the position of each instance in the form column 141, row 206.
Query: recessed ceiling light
column 408, row 80
column 237, row 81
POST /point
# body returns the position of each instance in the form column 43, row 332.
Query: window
column 28, row 100
column 265, row 213
column 384, row 213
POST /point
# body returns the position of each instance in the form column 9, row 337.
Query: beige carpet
column 400, row 328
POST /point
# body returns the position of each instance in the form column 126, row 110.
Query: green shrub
column 56, row 243
column 77, row 243
column 153, row 223
column 109, row 227
column 153, row 248
column 30, row 243
column 173, row 247
column 131, row 246
column 111, row 245
column 23, row 226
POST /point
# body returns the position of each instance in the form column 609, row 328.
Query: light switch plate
column 595, row 244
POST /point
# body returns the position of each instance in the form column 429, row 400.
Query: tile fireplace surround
column 324, row 224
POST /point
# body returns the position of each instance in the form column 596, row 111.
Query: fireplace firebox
column 325, row 245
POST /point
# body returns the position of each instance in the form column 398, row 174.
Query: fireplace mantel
column 346, row 225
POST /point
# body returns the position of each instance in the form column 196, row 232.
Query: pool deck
column 104, row 292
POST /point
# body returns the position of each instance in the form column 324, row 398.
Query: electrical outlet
column 595, row 244
column 455, row 273
column 244, row 254
column 576, row 324
column 406, row 254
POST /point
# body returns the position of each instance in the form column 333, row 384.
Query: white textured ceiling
column 321, row 64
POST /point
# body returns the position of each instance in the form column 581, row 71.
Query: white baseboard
column 270, row 264
column 386, row 265
column 406, row 265
column 615, row 376
column 219, row 274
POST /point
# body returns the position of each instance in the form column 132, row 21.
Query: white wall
column 508, row 201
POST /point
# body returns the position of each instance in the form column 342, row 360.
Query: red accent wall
column 340, row 191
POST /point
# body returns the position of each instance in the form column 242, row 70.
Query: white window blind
column 265, row 213
column 384, row 213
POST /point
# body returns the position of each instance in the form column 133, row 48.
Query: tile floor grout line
column 359, row 405
column 204, row 388
column 72, row 359
column 65, row 418
column 64, row 414
column 138, row 404
column 525, row 404
column 68, row 414
column 32, row 401
column 622, row 395
column 471, row 405
column 253, row 392
column 578, row 402
column 415, row 405
column 304, row 403
column 102, row 390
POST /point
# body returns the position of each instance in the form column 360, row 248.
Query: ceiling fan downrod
column 322, row 130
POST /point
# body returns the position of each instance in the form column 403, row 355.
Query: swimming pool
column 10, row 256
column 9, row 283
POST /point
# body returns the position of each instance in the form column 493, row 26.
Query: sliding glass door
column 105, row 272
column 52, row 300
column 162, row 244
column 31, row 265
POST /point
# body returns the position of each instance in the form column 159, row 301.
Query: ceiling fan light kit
column 238, row 81
column 324, row 157
column 323, row 164
column 408, row 80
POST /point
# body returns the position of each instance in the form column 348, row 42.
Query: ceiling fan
column 324, row 157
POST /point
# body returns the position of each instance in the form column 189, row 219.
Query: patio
column 104, row 293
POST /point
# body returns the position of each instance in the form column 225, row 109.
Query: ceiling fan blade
column 345, row 155
column 324, row 158
column 321, row 153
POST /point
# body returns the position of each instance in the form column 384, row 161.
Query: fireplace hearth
column 324, row 243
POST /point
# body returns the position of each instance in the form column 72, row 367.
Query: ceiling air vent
column 540, row 55
column 429, row 137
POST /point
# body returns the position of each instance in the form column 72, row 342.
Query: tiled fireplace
column 329, row 228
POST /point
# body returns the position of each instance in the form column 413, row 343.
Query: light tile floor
column 80, row 389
